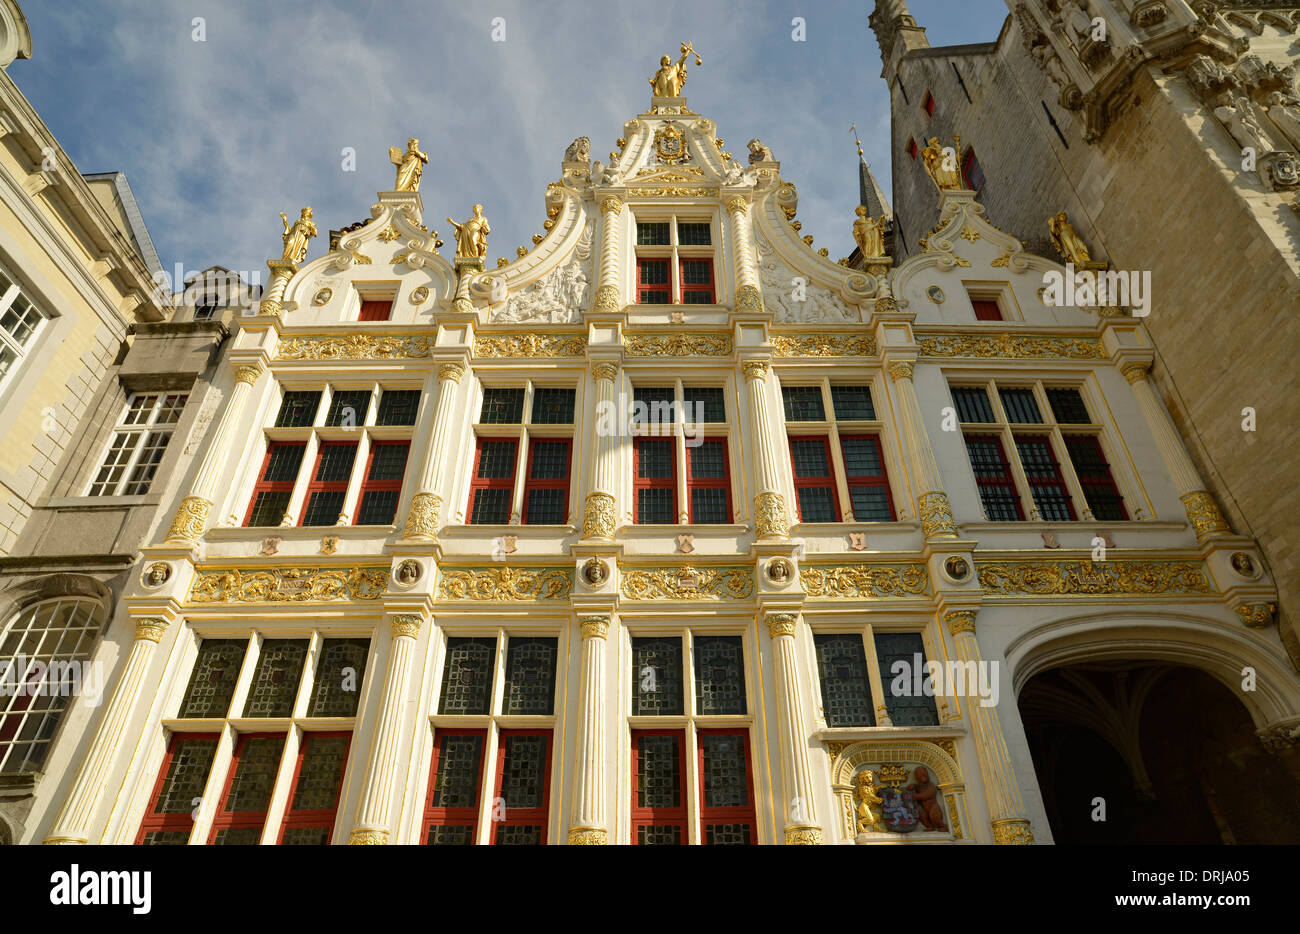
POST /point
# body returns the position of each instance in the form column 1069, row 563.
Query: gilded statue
column 471, row 236
column 410, row 165
column 943, row 166
column 870, row 815
column 296, row 237
column 1067, row 242
column 671, row 78
column 869, row 232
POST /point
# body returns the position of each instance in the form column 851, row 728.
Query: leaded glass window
column 725, row 775
column 467, row 679
column 456, row 781
column 398, row 407
column 349, row 408
column 803, row 403
column 530, row 676
column 659, row 777
column 187, row 773
column 298, row 409
column 656, row 676
column 707, row 401
column 275, row 682
column 846, row 688
column 553, row 405
column 719, row 675
column 502, row 406
column 852, row 403
column 339, row 676
column 907, row 706
column 213, row 679
column 321, row 774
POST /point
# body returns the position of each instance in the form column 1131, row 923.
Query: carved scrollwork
column 507, row 585
column 688, row 583
column 288, row 585
column 865, row 581
column 1087, row 577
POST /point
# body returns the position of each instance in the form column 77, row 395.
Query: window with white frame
column 836, row 452
column 523, row 456
column 140, row 439
column 870, row 676
column 335, row 456
column 20, row 322
column 691, row 757
column 45, row 651
column 261, row 719
column 1036, row 443
column 493, row 742
column 681, row 460
column 675, row 260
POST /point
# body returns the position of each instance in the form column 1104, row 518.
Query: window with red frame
column 814, row 484
column 314, row 794
column 971, row 172
column 912, row 148
column 181, row 779
column 993, row 477
column 697, row 281
column 249, row 782
column 928, row 104
column 708, row 482
column 727, row 795
column 986, row 309
column 493, row 483
column 1099, row 487
column 546, row 483
column 274, row 487
column 654, row 481
column 659, row 788
column 455, row 785
column 523, row 785
column 328, row 487
column 864, row 471
column 382, row 483
column 376, row 309
column 1043, row 472
column 653, row 286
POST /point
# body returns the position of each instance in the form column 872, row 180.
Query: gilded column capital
column 781, row 624
column 607, row 298
column 770, row 518
column 1013, row 831
column 737, row 205
column 937, row 520
column 150, row 629
column 611, row 206
column 960, row 621
column 190, row 520
column 900, row 369
column 249, row 372
column 803, row 836
column 886, row 305
column 605, row 370
column 406, row 624
column 749, row 301
column 451, row 372
column 594, row 627
column 754, row 369
column 422, row 521
column 588, row 836
column 598, row 516
column 1135, row 372
column 1203, row 513
column 366, row 837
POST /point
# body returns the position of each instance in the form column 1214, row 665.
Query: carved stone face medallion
column 935, row 294
column 957, row 568
column 594, row 572
column 1244, row 565
column 156, row 574
column 779, row 571
column 407, row 573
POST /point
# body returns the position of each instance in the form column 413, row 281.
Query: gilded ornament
column 1135, row 372
column 834, row 748
column 886, row 305
column 754, row 369
column 803, row 836
column 150, row 629
column 970, row 234
column 865, row 581
column 420, row 295
column 954, row 819
column 451, row 372
column 594, row 572
column 1243, row 564
column 156, row 574
column 678, row 345
column 505, row 585
column 869, row 233
column 389, row 234
column 671, row 191
column 406, row 624
column 1203, row 513
column 322, row 297
column 607, row 371
column 611, row 206
column 749, row 301
column 422, row 520
column 360, row 258
column 598, row 516
column 737, row 205
column 288, row 585
column 670, row 144
column 407, row 573
column 669, row 80
column 248, row 373
column 190, row 521
column 1014, row 831
column 960, row 621
column 866, row 791
column 410, row 164
column 1067, row 242
column 530, row 345
column 823, row 345
column 943, row 164
column 297, row 236
column 956, row 568
column 1012, row 346
column 607, row 298
column 1001, row 261
column 770, row 517
column 781, row 624
column 900, row 369
column 593, row 627
column 936, row 515
column 688, row 583
column 588, row 836
column 1090, row 578
column 361, row 837
column 1257, row 615
column 780, row 571
column 471, row 236
column 354, row 347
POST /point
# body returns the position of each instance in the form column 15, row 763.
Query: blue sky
column 217, row 137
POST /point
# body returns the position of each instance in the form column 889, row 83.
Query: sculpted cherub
column 870, row 816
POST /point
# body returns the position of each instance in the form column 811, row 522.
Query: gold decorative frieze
column 354, row 347
column 671, row 191
column 530, row 345
column 1040, row 578
column 288, row 585
column 677, row 345
column 823, row 345
column 865, row 581
column 1012, row 346
column 1013, row 831
column 684, row 582
column 505, row 585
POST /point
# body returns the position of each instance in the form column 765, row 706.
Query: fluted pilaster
column 932, row 505
column 599, row 514
column 801, row 827
column 608, row 290
column 589, row 825
column 426, row 504
column 771, row 518
column 749, row 298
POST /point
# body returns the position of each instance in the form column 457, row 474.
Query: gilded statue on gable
column 869, row 233
column 410, row 164
column 671, row 78
column 1067, row 241
column 471, row 236
column 943, row 164
column 297, row 236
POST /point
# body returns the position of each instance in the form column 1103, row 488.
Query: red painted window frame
column 320, row 818
column 378, row 486
column 164, row 823
column 986, row 309
column 477, row 483
column 827, row 480
column 912, row 148
column 452, row 817
column 1105, row 479
column 240, row 819
column 645, row 816
column 667, row 286
column 1007, row 481
column 547, row 483
column 928, row 104
column 682, row 287
column 315, row 486
column 852, row 480
column 514, row 816
column 380, row 309
column 1040, row 481
column 969, row 161
column 272, row 486
column 643, row 483
column 727, row 815
column 709, row 483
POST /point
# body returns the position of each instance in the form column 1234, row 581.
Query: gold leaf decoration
column 354, row 347
column 288, row 585
column 1013, row 346
column 678, row 345
column 505, row 585
column 823, row 345
column 688, row 583
column 671, row 191
column 530, row 345
column 1087, row 577
column 865, row 581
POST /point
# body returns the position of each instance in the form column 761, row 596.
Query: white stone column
column 588, row 825
column 73, row 823
column 374, row 816
column 932, row 504
column 608, row 292
column 1202, row 511
column 1006, row 807
column 749, row 299
column 771, row 519
column 599, row 516
column 192, row 515
column 426, row 504
column 801, row 827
